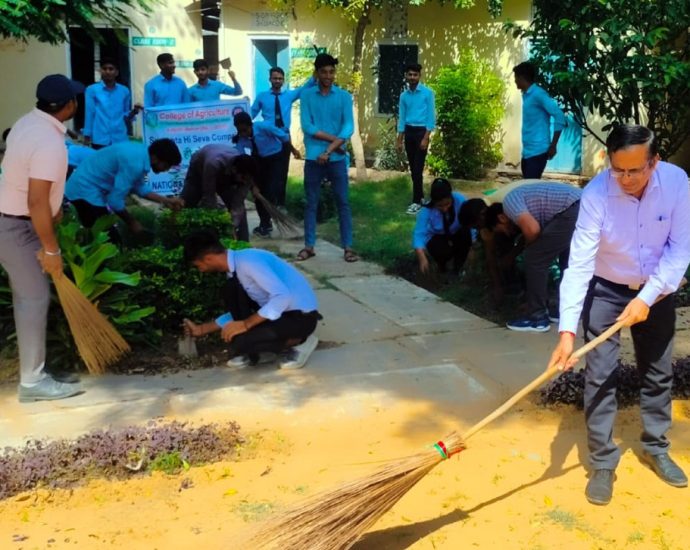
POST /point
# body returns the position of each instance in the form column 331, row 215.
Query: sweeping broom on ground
column 336, row 519
column 285, row 224
column 99, row 344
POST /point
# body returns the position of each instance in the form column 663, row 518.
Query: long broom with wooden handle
column 99, row 344
column 336, row 519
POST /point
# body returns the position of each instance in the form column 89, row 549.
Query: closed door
column 568, row 157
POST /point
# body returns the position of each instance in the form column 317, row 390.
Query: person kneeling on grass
column 438, row 232
column 272, row 308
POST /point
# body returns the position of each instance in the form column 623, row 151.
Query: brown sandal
column 350, row 256
column 305, row 254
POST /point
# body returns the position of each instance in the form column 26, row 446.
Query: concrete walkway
column 382, row 339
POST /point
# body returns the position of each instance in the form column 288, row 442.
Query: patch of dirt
column 519, row 485
column 212, row 352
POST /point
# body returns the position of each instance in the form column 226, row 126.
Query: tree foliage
column 625, row 61
column 48, row 20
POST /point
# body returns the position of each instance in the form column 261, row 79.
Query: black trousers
column 653, row 342
column 88, row 214
column 443, row 249
column 269, row 336
column 533, row 167
column 269, row 184
column 416, row 158
column 281, row 189
column 553, row 242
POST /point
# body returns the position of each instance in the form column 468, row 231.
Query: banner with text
column 191, row 126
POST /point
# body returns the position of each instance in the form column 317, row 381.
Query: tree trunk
column 357, row 147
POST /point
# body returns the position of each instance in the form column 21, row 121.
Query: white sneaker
column 299, row 355
column 413, row 209
column 238, row 362
column 242, row 361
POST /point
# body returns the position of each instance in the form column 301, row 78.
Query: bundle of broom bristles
column 99, row 344
column 336, row 519
column 285, row 224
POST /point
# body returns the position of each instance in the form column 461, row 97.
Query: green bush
column 177, row 289
column 173, row 227
column 387, row 155
column 470, row 104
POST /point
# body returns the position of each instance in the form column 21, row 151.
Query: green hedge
column 470, row 102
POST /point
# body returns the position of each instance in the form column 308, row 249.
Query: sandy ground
column 519, row 485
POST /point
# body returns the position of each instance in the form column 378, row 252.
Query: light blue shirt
column 330, row 113
column 268, row 139
column 77, row 153
column 212, row 90
column 105, row 110
column 629, row 241
column 265, row 103
column 161, row 91
column 275, row 285
column 537, row 110
column 110, row 174
column 430, row 222
column 417, row 108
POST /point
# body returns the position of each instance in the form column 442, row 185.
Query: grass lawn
column 383, row 234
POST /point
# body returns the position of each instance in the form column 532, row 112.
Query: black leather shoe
column 600, row 487
column 666, row 469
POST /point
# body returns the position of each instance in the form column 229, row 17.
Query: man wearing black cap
column 31, row 191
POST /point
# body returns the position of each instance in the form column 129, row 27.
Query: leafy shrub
column 470, row 103
column 387, row 155
column 179, row 290
column 173, row 227
column 568, row 388
column 114, row 454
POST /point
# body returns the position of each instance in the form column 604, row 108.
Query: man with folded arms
column 630, row 250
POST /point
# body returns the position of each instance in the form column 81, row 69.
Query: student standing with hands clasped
column 416, row 121
column 629, row 252
column 108, row 109
column 327, row 123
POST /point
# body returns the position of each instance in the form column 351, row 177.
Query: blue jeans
column 336, row 173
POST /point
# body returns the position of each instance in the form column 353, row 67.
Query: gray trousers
column 30, row 294
column 553, row 242
column 653, row 341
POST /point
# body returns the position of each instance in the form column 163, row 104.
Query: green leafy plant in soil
column 387, row 155
column 117, row 454
column 179, row 289
column 89, row 260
